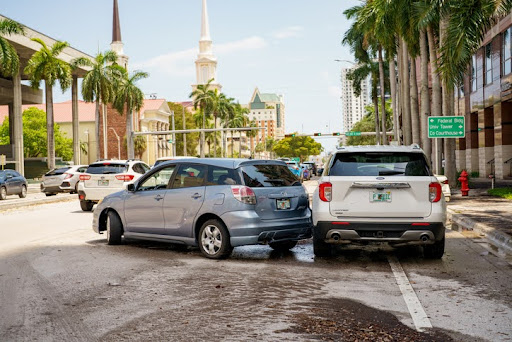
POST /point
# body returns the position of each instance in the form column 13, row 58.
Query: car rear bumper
column 246, row 228
column 395, row 233
column 50, row 188
column 95, row 195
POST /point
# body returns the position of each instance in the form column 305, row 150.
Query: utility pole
column 173, row 136
column 184, row 135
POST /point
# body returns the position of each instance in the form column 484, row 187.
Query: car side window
column 159, row 180
column 221, row 176
column 145, row 167
column 82, row 169
column 138, row 168
column 189, row 176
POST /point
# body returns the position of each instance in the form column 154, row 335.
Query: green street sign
column 352, row 134
column 446, row 127
column 297, row 159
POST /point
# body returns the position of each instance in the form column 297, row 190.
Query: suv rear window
column 268, row 175
column 106, row 168
column 379, row 164
column 57, row 172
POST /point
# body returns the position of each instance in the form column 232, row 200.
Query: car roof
column 224, row 162
column 176, row 157
column 117, row 161
column 414, row 148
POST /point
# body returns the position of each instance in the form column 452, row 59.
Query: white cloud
column 288, row 32
column 181, row 63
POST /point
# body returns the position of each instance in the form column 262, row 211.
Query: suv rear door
column 380, row 184
column 279, row 193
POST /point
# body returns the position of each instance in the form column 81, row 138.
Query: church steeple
column 117, row 45
column 206, row 63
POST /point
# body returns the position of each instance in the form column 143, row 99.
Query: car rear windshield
column 268, row 175
column 379, row 164
column 106, row 168
column 57, row 172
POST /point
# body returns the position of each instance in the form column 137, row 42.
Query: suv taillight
column 243, row 194
column 84, row 177
column 125, row 178
column 325, row 191
column 434, row 192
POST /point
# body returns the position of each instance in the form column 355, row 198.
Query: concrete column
column 75, row 121
column 18, row 125
column 486, row 141
column 105, row 143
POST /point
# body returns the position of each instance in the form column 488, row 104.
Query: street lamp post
column 118, row 143
column 173, row 135
column 184, row 128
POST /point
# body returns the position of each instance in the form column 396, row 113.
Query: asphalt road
column 59, row 281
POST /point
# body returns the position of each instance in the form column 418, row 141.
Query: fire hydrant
column 464, row 184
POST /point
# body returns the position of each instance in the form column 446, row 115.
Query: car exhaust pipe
column 336, row 237
column 424, row 238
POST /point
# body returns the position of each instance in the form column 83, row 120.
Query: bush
column 501, row 192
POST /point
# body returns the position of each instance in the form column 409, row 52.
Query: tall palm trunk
column 202, row 139
column 50, row 134
column 97, row 133
column 240, row 145
column 382, row 97
column 436, row 94
column 376, row 109
column 415, row 124
column 392, row 83
column 400, row 95
column 425, row 97
column 406, row 96
column 129, row 133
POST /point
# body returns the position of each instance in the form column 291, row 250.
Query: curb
column 18, row 205
column 497, row 238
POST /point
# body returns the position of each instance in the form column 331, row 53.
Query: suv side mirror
column 130, row 187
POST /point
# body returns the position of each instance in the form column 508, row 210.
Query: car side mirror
column 130, row 187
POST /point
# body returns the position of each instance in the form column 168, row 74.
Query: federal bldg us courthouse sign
column 446, row 127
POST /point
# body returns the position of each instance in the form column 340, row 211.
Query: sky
column 287, row 47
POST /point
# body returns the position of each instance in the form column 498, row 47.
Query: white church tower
column 206, row 63
column 117, row 45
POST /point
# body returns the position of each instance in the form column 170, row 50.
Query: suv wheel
column 434, row 251
column 321, row 248
column 114, row 229
column 214, row 240
column 3, row 193
column 23, row 192
column 282, row 246
column 86, row 205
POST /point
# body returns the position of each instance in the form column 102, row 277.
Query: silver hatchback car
column 216, row 204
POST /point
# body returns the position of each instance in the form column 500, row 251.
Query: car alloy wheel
column 23, row 193
column 3, row 193
column 211, row 240
column 214, row 240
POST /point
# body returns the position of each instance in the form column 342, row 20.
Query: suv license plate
column 377, row 196
column 283, row 204
column 103, row 183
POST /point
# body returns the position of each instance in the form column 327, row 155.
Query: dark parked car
column 216, row 204
column 12, row 183
column 313, row 167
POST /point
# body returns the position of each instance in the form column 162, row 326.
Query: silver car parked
column 64, row 179
column 216, row 204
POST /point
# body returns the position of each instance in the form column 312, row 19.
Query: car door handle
column 196, row 196
column 159, row 197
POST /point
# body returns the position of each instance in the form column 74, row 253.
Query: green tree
column 9, row 60
column 298, row 146
column 129, row 96
column 203, row 98
column 192, row 138
column 366, row 124
column 34, row 136
column 45, row 65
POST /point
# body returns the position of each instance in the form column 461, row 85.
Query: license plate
column 283, row 204
column 103, row 183
column 378, row 196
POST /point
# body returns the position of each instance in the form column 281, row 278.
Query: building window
column 473, row 73
column 507, row 53
column 488, row 64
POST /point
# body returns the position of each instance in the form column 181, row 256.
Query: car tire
column 23, row 192
column 114, row 229
column 86, row 205
column 282, row 246
column 49, row 194
column 321, row 248
column 3, row 193
column 434, row 251
column 213, row 240
column 76, row 189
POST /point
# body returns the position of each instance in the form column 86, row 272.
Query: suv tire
column 114, row 229
column 282, row 246
column 23, row 192
column 213, row 240
column 321, row 248
column 434, row 251
column 86, row 205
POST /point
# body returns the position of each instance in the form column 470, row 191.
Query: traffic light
column 289, row 135
column 336, row 134
column 317, row 134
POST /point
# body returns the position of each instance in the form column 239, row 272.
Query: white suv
column 105, row 177
column 379, row 194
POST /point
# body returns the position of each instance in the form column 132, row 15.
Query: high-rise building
column 353, row 107
column 269, row 111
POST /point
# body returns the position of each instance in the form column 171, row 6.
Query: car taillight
column 325, row 191
column 434, row 192
column 243, row 194
column 68, row 175
column 84, row 177
column 125, row 178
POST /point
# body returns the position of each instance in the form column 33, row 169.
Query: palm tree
column 44, row 65
column 9, row 60
column 129, row 96
column 252, row 134
column 238, row 121
column 98, row 84
column 203, row 98
column 226, row 113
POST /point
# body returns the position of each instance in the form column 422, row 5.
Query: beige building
column 269, row 112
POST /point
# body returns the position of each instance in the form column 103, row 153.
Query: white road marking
column 418, row 314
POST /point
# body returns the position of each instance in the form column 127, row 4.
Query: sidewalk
column 486, row 215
